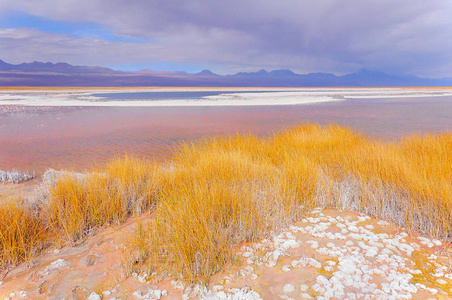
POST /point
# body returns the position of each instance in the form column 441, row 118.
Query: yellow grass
column 78, row 205
column 22, row 233
column 215, row 195
column 213, row 202
column 226, row 191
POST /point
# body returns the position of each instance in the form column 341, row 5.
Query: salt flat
column 239, row 96
column 329, row 254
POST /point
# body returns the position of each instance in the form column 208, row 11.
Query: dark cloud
column 330, row 35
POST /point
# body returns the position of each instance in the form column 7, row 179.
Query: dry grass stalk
column 22, row 233
column 225, row 191
column 76, row 206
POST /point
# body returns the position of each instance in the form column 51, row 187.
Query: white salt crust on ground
column 253, row 96
column 350, row 258
column 327, row 255
column 15, row 176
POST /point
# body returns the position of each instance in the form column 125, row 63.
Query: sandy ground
column 328, row 255
column 23, row 190
column 260, row 96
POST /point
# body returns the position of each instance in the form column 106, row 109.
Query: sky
column 336, row 36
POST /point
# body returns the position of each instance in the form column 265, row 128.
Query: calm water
column 154, row 96
column 36, row 138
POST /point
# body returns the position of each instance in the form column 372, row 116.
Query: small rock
column 22, row 294
column 247, row 254
column 56, row 265
column 286, row 268
column 94, row 296
column 437, row 242
column 304, row 287
column 383, row 223
column 314, row 244
column 137, row 294
column 217, row 288
column 288, row 288
column 328, row 269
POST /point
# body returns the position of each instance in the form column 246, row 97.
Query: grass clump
column 226, row 191
column 22, row 233
column 217, row 194
column 208, row 208
column 77, row 205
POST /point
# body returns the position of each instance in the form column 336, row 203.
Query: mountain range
column 64, row 74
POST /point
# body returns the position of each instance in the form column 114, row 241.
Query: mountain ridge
column 63, row 74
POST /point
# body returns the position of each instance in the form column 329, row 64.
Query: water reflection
column 36, row 138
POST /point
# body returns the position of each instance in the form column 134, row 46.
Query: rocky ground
column 328, row 255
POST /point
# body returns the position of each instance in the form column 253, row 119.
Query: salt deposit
column 94, row 296
column 271, row 96
column 311, row 259
column 368, row 264
column 56, row 265
column 15, row 176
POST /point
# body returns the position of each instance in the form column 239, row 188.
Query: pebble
column 94, row 296
column 286, row 268
column 306, row 296
column 288, row 288
column 304, row 287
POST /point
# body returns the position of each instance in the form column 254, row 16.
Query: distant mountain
column 206, row 73
column 282, row 73
column 158, row 73
column 63, row 68
column 5, row 66
column 365, row 77
column 260, row 73
column 63, row 74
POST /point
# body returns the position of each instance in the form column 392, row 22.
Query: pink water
column 38, row 138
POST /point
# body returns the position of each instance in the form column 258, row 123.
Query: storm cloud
column 339, row 36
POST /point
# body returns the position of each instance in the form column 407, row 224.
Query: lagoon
column 76, row 129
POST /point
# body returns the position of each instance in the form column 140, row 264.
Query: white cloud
column 329, row 35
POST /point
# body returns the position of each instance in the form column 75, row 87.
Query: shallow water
column 175, row 95
column 37, row 138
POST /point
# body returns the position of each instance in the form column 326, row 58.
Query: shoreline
column 253, row 97
column 279, row 243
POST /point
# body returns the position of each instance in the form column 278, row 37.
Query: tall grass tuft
column 77, row 205
column 22, row 232
column 226, row 191
column 217, row 194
